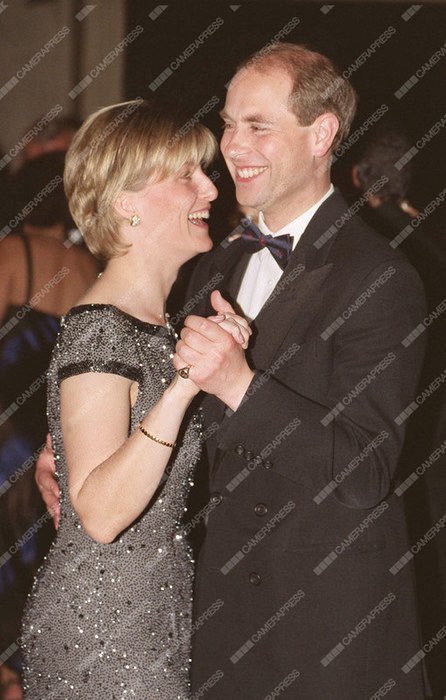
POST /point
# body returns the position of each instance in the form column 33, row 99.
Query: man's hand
column 216, row 358
column 46, row 481
column 226, row 318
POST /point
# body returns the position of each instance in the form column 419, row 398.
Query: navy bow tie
column 254, row 240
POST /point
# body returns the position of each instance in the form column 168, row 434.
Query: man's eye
column 226, row 126
column 256, row 127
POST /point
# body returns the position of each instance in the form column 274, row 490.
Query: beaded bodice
column 124, row 607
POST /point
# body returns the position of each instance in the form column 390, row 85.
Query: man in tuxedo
column 304, row 582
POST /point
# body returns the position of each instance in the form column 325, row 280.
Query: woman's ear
column 124, row 206
column 326, row 126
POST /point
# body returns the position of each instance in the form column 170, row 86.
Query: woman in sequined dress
column 110, row 611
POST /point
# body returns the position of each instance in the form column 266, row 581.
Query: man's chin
column 244, row 200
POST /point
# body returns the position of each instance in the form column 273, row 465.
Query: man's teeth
column 250, row 172
column 199, row 215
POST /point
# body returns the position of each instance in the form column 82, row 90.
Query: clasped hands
column 213, row 348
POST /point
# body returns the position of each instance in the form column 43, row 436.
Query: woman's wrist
column 182, row 390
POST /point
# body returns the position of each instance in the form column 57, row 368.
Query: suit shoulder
column 229, row 246
column 362, row 247
column 218, row 258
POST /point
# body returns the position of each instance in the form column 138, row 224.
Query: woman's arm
column 112, row 477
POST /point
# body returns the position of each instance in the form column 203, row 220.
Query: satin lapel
column 293, row 302
column 293, row 307
column 234, row 280
column 231, row 263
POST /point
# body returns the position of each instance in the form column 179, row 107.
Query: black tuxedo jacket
column 299, row 591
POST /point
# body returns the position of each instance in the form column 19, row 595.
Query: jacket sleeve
column 351, row 440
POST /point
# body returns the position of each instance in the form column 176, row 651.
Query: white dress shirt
column 263, row 272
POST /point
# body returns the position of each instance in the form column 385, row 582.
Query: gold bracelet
column 156, row 439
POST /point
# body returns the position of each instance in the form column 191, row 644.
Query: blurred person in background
column 55, row 137
column 49, row 135
column 392, row 214
column 41, row 276
column 389, row 211
column 6, row 191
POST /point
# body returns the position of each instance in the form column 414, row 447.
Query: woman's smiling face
column 174, row 211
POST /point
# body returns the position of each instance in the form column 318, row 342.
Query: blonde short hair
column 122, row 148
column 318, row 86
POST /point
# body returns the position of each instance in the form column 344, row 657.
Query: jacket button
column 260, row 509
column 267, row 465
column 255, row 579
column 216, row 498
column 239, row 450
column 249, row 456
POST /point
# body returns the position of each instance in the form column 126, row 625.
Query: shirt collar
column 296, row 227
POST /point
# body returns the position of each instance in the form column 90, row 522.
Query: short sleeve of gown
column 96, row 340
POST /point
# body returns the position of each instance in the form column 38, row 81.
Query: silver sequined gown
column 113, row 621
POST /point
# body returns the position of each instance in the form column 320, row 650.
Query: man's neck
column 275, row 221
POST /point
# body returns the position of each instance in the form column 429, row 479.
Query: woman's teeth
column 198, row 215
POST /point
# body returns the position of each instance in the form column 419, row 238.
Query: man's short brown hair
column 318, row 86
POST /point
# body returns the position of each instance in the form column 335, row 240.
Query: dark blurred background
column 342, row 31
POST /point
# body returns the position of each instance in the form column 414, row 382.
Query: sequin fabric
column 113, row 621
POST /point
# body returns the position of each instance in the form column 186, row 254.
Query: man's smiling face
column 268, row 154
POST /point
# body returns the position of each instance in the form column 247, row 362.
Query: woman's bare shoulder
column 74, row 256
column 81, row 255
column 11, row 246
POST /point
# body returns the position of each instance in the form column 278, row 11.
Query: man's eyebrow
column 257, row 118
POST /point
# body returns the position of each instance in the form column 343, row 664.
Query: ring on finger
column 184, row 372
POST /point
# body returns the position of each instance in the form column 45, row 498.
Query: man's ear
column 325, row 128
column 355, row 177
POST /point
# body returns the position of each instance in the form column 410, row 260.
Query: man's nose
column 233, row 144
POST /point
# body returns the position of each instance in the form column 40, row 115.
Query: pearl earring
column 135, row 220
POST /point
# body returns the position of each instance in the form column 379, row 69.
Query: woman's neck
column 138, row 287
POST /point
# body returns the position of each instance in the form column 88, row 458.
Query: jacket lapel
column 235, row 279
column 292, row 303
column 230, row 262
column 292, row 307
column 293, row 300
